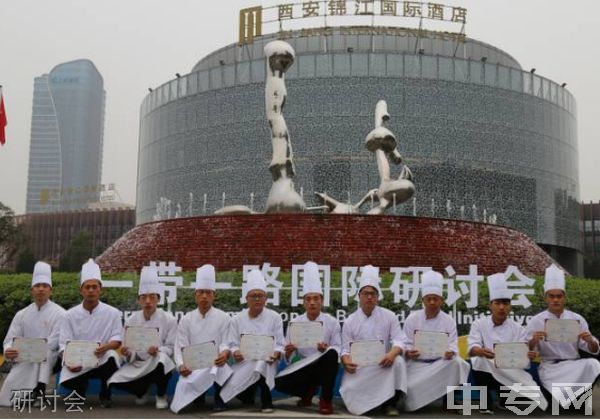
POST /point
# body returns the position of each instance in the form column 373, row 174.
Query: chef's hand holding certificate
column 31, row 350
column 431, row 345
column 79, row 353
column 306, row 334
column 257, row 347
column 562, row 330
column 367, row 353
column 511, row 355
column 200, row 356
column 141, row 339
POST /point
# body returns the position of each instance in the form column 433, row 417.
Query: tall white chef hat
column 206, row 277
column 431, row 283
column 256, row 281
column 312, row 279
column 554, row 279
column 42, row 273
column 149, row 283
column 498, row 287
column 90, row 271
column 369, row 276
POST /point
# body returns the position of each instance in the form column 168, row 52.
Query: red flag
column 2, row 119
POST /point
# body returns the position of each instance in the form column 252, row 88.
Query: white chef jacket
column 332, row 333
column 195, row 328
column 552, row 350
column 417, row 320
column 428, row 381
column 371, row 386
column 484, row 333
column 142, row 363
column 102, row 324
column 382, row 324
column 560, row 361
column 32, row 322
column 248, row 372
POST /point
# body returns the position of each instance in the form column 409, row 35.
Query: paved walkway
column 124, row 407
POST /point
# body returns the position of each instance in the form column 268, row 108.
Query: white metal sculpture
column 331, row 205
column 383, row 143
column 283, row 197
column 391, row 192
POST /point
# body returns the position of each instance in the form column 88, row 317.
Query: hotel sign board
column 318, row 17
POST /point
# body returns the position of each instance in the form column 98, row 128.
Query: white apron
column 429, row 381
column 140, row 368
column 569, row 371
column 507, row 377
column 296, row 366
column 371, row 386
column 247, row 373
column 25, row 376
column 66, row 374
column 197, row 383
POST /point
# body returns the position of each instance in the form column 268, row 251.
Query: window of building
column 324, row 65
column 359, row 65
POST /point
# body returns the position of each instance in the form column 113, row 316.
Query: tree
column 591, row 267
column 11, row 238
column 78, row 251
column 25, row 261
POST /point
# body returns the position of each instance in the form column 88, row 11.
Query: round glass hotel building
column 485, row 139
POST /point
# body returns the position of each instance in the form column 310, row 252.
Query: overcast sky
column 140, row 43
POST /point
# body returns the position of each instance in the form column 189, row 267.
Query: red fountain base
column 229, row 242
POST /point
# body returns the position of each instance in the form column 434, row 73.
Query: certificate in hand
column 511, row 355
column 81, row 353
column 367, row 353
column 257, row 347
column 562, row 330
column 431, row 344
column 141, row 338
column 306, row 334
column 200, row 356
column 31, row 350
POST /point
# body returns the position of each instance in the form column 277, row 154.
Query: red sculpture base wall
column 229, row 242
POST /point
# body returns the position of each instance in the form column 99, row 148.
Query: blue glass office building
column 484, row 138
column 67, row 133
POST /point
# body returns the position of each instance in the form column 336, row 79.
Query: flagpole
column 3, row 121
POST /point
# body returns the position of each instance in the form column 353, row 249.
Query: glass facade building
column 67, row 132
column 486, row 140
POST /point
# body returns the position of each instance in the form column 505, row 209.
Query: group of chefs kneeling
column 384, row 364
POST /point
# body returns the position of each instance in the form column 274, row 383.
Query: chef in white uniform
column 498, row 328
column 257, row 320
column 365, row 388
column 92, row 320
column 560, row 361
column 202, row 325
column 318, row 365
column 153, row 365
column 41, row 319
column 428, row 379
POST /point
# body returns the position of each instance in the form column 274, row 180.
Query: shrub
column 583, row 296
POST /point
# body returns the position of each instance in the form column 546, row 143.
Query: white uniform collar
column 551, row 315
column 41, row 308
column 207, row 312
column 491, row 321
column 95, row 310
column 428, row 319
column 153, row 316
column 372, row 313
column 257, row 316
column 316, row 319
